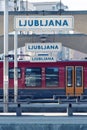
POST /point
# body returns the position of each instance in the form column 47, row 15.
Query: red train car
column 44, row 80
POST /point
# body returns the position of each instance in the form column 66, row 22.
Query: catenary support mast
column 15, row 68
column 5, row 72
column 15, row 62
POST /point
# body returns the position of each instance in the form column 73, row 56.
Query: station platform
column 42, row 121
column 72, row 118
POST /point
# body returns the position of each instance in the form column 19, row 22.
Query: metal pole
column 60, row 7
column 5, row 67
column 15, row 68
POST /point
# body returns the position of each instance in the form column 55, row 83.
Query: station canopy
column 77, row 40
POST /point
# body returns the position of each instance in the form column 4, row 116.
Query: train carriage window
column 78, row 76
column 11, row 73
column 69, row 76
column 33, row 77
column 52, row 76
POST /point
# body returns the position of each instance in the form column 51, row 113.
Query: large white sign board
column 43, row 47
column 47, row 22
column 43, row 59
column 43, row 50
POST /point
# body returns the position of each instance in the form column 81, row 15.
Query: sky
column 72, row 4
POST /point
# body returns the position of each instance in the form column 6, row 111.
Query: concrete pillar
column 69, row 110
column 18, row 111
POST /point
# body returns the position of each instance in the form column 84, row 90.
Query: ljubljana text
column 43, row 23
column 43, row 47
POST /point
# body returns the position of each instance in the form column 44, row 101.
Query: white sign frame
column 43, row 59
column 42, row 18
column 43, row 47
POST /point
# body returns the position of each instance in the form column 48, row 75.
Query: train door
column 74, row 80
